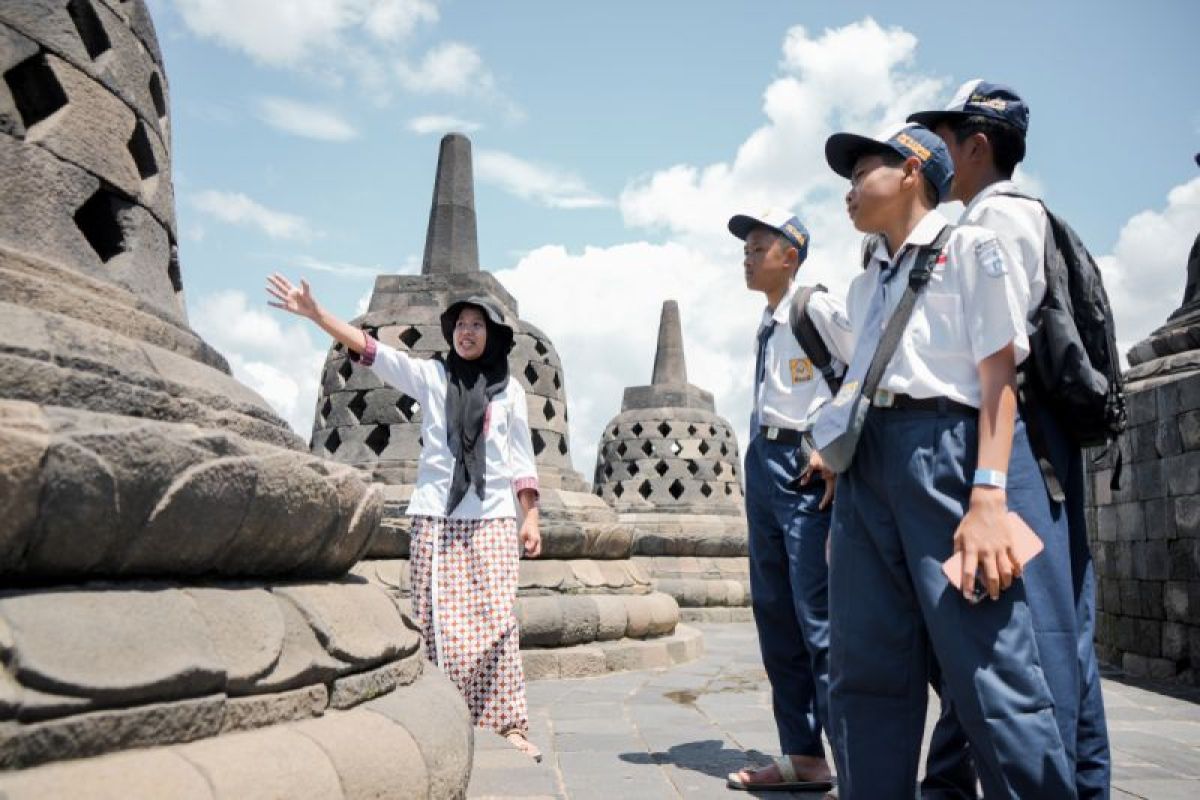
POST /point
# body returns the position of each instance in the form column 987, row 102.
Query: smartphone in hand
column 1026, row 545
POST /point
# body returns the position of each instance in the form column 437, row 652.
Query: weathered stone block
column 259, row 711
column 159, row 772
column 1187, row 517
column 372, row 755
column 1131, row 523
column 270, row 763
column 1183, row 474
column 1175, row 641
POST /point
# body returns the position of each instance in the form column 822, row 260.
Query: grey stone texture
column 1145, row 535
column 670, row 467
column 677, row 732
column 584, row 588
column 175, row 616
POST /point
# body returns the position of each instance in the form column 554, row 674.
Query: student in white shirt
column 477, row 453
column 937, row 447
column 984, row 128
column 787, row 502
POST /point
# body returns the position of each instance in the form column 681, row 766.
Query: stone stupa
column 669, row 465
column 176, row 617
column 584, row 607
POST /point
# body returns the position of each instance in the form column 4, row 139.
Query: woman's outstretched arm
column 299, row 300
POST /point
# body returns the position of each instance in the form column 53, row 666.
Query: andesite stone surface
column 670, row 467
column 175, row 614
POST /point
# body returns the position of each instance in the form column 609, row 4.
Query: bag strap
column 809, row 338
column 918, row 278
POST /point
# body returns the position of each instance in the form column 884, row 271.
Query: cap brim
column 740, row 225
column 931, row 119
column 450, row 316
column 842, row 151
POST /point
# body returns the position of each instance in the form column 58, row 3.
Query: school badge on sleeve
column 802, row 370
column 989, row 255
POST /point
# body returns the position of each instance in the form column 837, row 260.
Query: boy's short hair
column 1008, row 144
column 897, row 160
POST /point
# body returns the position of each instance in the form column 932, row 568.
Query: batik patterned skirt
column 464, row 585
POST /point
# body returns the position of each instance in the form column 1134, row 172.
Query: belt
column 782, row 435
column 889, row 401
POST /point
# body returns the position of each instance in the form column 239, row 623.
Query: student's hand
column 816, row 466
column 298, row 300
column 986, row 543
column 531, row 536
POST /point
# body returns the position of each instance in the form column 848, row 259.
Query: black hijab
column 470, row 386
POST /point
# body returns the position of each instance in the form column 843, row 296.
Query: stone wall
column 1145, row 537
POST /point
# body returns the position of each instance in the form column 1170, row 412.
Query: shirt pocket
column 940, row 326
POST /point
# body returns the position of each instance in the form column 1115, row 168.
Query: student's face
column 470, row 334
column 768, row 261
column 876, row 193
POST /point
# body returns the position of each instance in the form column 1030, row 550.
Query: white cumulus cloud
column 235, row 208
column 546, row 185
column 451, row 67
column 270, row 351
column 441, row 123
column 285, row 34
column 1147, row 270
column 304, row 119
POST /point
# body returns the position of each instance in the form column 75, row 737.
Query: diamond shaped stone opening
column 648, row 448
column 539, row 444
column 531, row 374
column 556, row 381
column 645, row 490
column 724, row 449
column 637, row 429
column 410, row 336
column 706, row 490
column 608, row 470
column 718, row 469
column 664, row 429
column 378, row 438
column 539, row 347
column 358, row 405
column 562, row 445
column 633, row 468
column 691, row 430
column 676, row 489
column 333, row 441
column 548, row 410
column 661, row 468
column 704, row 448
column 408, row 407
column 621, row 449
column 91, row 31
column 618, row 489
column 692, row 467
column 676, row 448
column 326, row 407
column 346, row 369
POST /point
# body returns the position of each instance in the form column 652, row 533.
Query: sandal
column 788, row 781
column 520, row 741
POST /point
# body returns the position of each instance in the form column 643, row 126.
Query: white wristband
column 990, row 477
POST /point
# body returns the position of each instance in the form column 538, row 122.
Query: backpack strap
column 918, row 279
column 809, row 338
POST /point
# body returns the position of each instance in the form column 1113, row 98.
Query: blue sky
column 611, row 141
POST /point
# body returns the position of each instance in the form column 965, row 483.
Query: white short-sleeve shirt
column 1021, row 226
column 974, row 305
column 509, row 459
column 793, row 389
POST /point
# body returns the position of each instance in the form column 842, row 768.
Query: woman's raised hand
column 298, row 300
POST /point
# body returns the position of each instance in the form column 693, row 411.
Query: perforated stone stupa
column 669, row 465
column 584, row 607
column 176, row 618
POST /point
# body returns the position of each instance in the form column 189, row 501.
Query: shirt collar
column 784, row 307
column 924, row 233
column 988, row 191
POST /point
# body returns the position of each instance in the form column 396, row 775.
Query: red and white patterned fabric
column 464, row 584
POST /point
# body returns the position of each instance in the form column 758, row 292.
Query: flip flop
column 789, row 782
column 522, row 743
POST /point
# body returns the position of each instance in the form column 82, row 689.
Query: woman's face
column 470, row 334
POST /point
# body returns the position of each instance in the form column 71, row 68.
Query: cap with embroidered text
column 979, row 98
column 777, row 219
column 843, row 150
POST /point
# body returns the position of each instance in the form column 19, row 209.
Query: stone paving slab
column 673, row 733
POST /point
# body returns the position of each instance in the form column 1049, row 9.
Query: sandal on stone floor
column 789, row 781
column 522, row 743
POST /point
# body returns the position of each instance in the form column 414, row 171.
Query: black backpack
column 1076, row 368
column 809, row 337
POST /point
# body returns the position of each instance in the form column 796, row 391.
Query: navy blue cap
column 777, row 219
column 843, row 150
column 978, row 98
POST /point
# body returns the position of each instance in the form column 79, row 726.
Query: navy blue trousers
column 789, row 583
column 1061, row 587
column 892, row 608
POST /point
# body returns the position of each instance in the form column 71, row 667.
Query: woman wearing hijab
column 465, row 548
